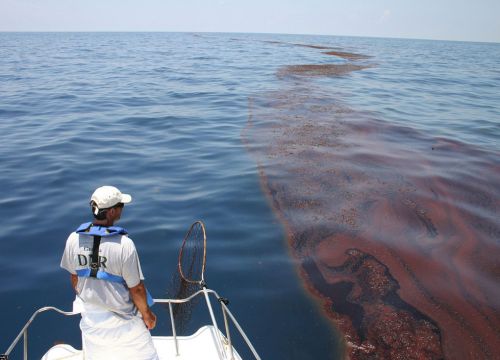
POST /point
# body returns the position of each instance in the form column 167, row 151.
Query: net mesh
column 189, row 277
column 192, row 255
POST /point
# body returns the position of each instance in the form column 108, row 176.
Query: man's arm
column 138, row 294
column 74, row 282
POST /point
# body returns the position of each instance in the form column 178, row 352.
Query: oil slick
column 395, row 231
column 320, row 70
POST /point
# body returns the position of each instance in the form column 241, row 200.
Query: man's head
column 107, row 203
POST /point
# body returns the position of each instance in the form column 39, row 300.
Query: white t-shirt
column 117, row 256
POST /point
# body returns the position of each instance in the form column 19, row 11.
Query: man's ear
column 110, row 213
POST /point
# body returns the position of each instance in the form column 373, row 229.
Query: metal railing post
column 242, row 333
column 214, row 322
column 228, row 334
column 173, row 328
column 25, row 340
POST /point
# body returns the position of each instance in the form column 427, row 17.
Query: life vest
column 93, row 270
column 102, row 231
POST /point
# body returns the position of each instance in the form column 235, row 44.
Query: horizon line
column 250, row 33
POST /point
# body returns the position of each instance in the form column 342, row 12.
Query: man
column 107, row 277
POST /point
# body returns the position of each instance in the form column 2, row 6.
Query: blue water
column 160, row 115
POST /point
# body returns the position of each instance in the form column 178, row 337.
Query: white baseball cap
column 108, row 196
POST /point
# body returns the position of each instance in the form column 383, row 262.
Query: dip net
column 189, row 277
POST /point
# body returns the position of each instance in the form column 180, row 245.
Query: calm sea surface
column 163, row 116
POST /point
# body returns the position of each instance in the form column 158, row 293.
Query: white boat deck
column 63, row 351
column 200, row 345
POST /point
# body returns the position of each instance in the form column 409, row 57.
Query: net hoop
column 196, row 226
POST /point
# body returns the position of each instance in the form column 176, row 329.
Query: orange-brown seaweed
column 396, row 231
column 347, row 55
column 320, row 70
column 331, row 51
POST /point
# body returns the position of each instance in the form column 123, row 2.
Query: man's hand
column 149, row 319
column 138, row 294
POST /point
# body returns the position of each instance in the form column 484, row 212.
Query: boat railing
column 24, row 331
column 226, row 314
column 203, row 292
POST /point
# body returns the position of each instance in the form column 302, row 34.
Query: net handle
column 179, row 267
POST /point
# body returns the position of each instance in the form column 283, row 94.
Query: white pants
column 107, row 336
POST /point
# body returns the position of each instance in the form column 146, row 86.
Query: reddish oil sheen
column 396, row 231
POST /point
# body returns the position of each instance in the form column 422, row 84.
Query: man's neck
column 102, row 223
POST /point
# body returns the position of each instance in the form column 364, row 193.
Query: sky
column 465, row 20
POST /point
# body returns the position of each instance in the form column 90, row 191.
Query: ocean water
column 392, row 165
